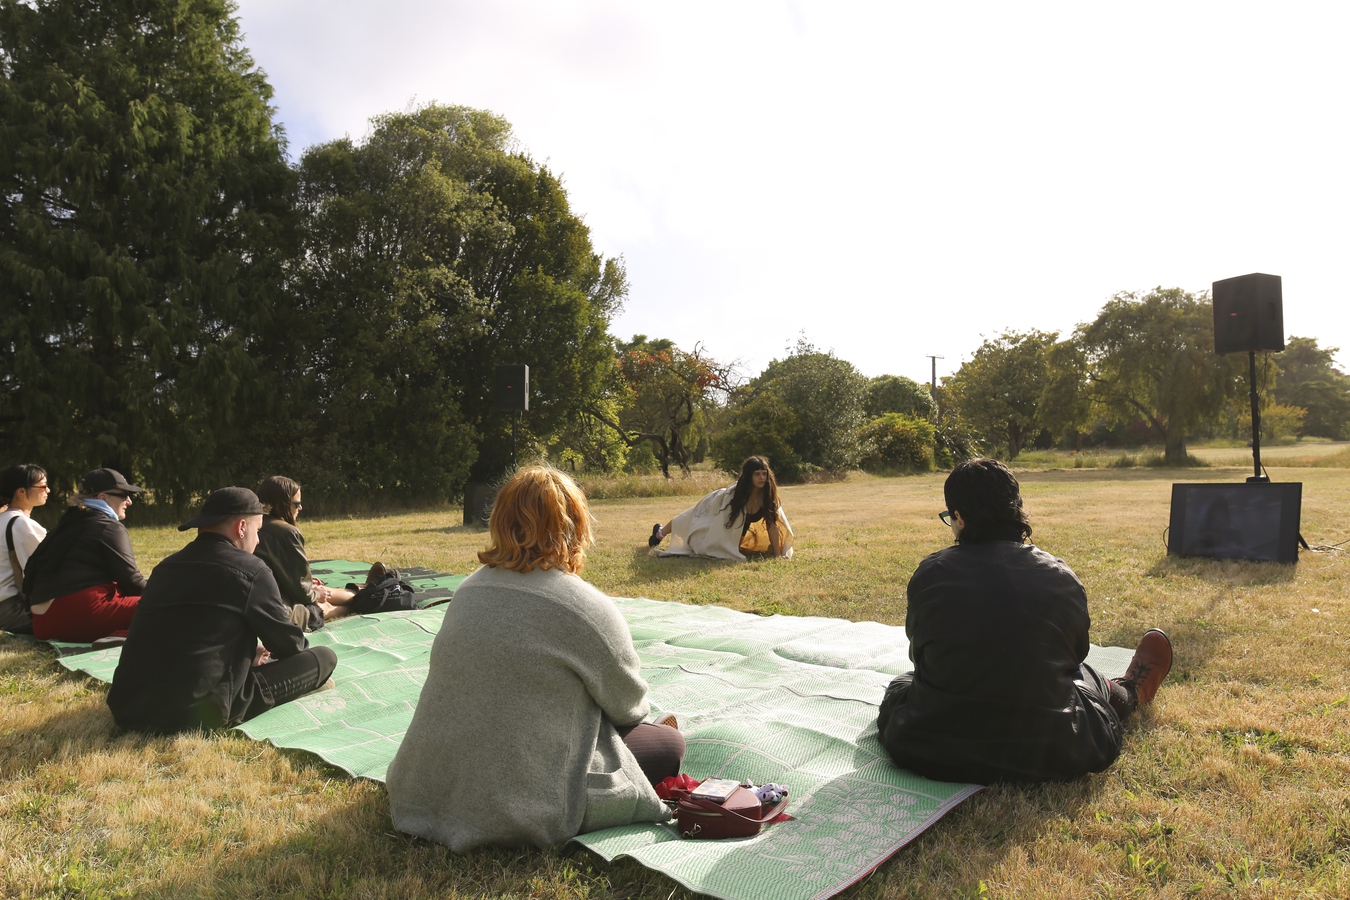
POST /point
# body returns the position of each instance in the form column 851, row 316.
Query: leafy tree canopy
column 897, row 394
column 434, row 251
column 666, row 394
column 998, row 391
column 146, row 214
column 1151, row 358
column 825, row 395
column 1308, row 378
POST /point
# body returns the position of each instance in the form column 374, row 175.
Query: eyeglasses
column 946, row 517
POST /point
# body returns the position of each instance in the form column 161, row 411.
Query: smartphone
column 716, row 790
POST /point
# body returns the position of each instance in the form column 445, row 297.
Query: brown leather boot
column 1150, row 665
column 378, row 572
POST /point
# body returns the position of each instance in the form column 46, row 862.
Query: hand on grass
column 262, row 656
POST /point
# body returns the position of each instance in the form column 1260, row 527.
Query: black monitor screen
column 1236, row 521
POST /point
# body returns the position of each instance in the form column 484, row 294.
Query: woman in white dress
column 733, row 522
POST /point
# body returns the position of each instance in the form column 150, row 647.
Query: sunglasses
column 120, row 495
column 946, row 517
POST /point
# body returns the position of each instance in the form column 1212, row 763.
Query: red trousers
column 85, row 616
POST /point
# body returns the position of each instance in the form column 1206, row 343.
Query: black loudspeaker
column 478, row 500
column 1248, row 314
column 513, row 388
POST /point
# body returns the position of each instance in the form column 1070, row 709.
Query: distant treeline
column 184, row 305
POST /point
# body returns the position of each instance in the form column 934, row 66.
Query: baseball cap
column 226, row 502
column 100, row 480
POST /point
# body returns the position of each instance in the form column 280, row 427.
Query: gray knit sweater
column 513, row 741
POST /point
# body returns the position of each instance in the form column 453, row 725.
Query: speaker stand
column 515, row 421
column 1256, row 478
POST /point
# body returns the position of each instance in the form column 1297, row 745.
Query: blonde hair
column 540, row 520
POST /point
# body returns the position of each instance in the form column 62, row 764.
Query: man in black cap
column 192, row 659
column 82, row 580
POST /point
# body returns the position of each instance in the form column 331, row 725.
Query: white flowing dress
column 702, row 529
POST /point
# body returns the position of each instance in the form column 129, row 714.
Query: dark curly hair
column 986, row 495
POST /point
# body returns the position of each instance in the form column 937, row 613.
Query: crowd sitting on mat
column 538, row 658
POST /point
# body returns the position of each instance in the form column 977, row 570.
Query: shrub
column 897, row 442
column 760, row 428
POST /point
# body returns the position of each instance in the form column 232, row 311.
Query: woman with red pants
column 83, row 581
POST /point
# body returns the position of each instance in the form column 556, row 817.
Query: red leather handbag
column 740, row 815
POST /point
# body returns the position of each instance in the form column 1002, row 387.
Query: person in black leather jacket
column 192, row 659
column 998, row 633
column 82, row 581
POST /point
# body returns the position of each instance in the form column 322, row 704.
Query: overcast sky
column 893, row 179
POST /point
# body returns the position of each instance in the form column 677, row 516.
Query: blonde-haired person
column 282, row 547
column 530, row 729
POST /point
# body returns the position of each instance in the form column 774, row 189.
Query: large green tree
column 1308, row 378
column 144, row 219
column 664, row 396
column 434, row 251
column 897, row 394
column 824, row 395
column 997, row 392
column 1151, row 358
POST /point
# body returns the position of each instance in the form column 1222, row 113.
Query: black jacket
column 997, row 631
column 86, row 548
column 189, row 654
column 282, row 547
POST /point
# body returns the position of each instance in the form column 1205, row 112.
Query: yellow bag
column 756, row 540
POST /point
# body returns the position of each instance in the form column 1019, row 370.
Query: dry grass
column 1233, row 784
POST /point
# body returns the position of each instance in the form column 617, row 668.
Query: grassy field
column 1236, row 782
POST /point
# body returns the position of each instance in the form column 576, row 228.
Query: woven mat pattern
column 783, row 698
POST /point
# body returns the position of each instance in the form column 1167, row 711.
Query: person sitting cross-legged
column 82, row 581
column 998, row 633
column 192, row 658
column 530, row 728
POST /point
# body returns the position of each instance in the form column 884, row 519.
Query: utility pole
column 932, row 385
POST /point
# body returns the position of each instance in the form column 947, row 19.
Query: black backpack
column 387, row 595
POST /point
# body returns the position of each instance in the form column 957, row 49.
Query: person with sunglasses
column 82, row 581
column 282, row 547
column 23, row 488
column 998, row 634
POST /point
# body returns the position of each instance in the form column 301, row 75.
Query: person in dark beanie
column 193, row 659
column 998, row 633
column 82, row 581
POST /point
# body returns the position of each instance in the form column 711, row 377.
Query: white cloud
column 894, row 179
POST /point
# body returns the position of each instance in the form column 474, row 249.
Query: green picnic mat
column 782, row 698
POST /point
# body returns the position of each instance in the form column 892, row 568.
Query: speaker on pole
column 1248, row 314
column 512, row 388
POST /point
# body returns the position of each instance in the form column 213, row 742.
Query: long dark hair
column 276, row 492
column 745, row 486
column 986, row 494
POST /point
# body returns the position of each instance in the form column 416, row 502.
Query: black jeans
column 286, row 679
column 1120, row 698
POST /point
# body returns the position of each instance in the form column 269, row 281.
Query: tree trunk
column 1174, row 448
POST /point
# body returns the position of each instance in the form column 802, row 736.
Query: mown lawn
column 1235, row 783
